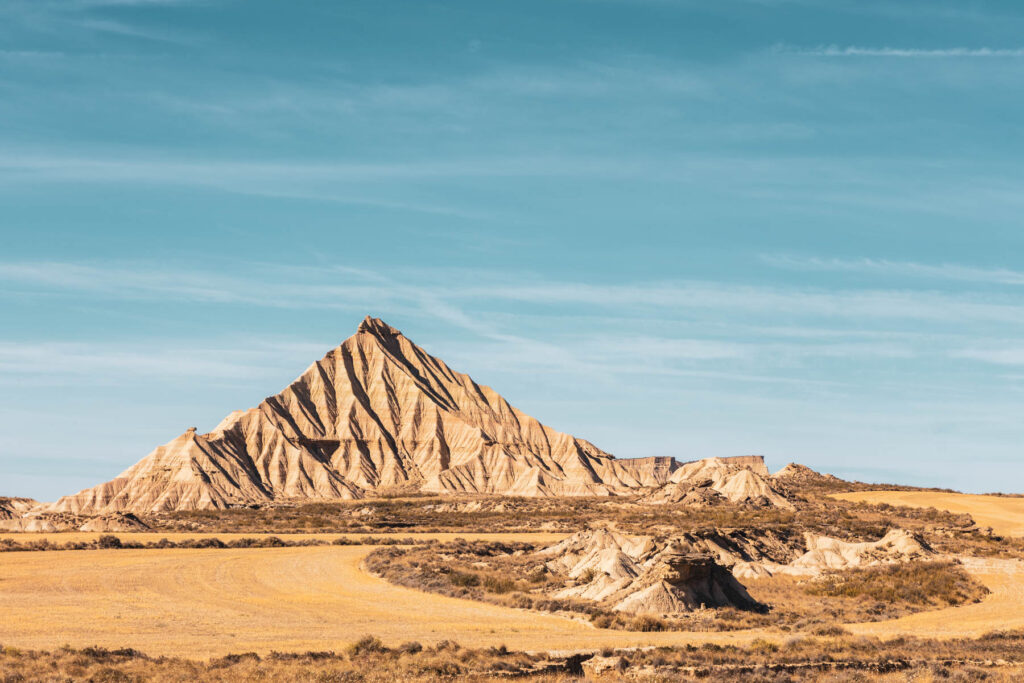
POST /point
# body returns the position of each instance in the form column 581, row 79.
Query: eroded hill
column 375, row 413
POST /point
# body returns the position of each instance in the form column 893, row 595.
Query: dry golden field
column 202, row 602
column 1005, row 515
column 207, row 602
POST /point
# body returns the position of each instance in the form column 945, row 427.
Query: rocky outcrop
column 823, row 554
column 48, row 522
column 898, row 545
column 608, row 558
column 377, row 412
column 44, row 524
column 702, row 483
column 12, row 508
column 641, row 575
column 114, row 521
column 795, row 474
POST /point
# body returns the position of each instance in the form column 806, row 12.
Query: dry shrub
column 916, row 583
column 844, row 658
column 364, row 645
column 763, row 646
column 646, row 623
column 108, row 542
column 464, row 579
column 830, row 630
column 499, row 584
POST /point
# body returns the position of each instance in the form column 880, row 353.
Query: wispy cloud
column 125, row 29
column 334, row 287
column 1003, row 356
column 712, row 330
column 133, row 3
column 914, row 53
column 230, row 173
column 813, row 183
column 942, row 271
column 31, row 54
column 339, row 182
column 104, row 362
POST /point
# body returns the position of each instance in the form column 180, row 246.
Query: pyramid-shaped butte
column 375, row 413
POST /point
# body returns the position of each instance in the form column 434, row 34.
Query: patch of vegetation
column 996, row 657
column 463, row 579
column 111, row 542
column 915, row 583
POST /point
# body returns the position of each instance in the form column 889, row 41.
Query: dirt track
column 1004, row 515
column 210, row 602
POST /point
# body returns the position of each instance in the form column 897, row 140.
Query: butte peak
column 377, row 327
column 376, row 414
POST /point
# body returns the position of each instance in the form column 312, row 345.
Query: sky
column 671, row 227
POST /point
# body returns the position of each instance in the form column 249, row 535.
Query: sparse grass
column 128, row 542
column 914, row 583
column 369, row 660
column 366, row 660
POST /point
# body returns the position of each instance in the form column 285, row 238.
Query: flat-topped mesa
column 376, row 412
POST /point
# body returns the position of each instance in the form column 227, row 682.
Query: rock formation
column 11, row 508
column 114, row 521
column 37, row 520
column 377, row 412
column 640, row 575
column 795, row 473
column 898, row 545
column 823, row 553
column 606, row 557
column 701, row 483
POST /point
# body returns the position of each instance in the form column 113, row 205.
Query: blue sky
column 672, row 227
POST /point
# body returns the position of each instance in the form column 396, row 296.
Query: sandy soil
column 1004, row 515
column 202, row 603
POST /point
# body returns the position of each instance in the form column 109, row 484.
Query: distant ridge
column 377, row 412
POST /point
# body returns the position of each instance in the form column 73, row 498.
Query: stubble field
column 1003, row 513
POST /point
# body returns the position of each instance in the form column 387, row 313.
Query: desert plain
column 385, row 517
column 209, row 603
